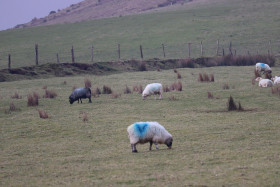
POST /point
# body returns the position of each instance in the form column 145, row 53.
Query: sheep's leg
column 81, row 100
column 89, row 100
column 151, row 143
column 156, row 145
column 160, row 96
column 133, row 147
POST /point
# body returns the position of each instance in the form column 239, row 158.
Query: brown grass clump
column 210, row 95
column 127, row 90
column 16, row 96
column 275, row 90
column 231, row 104
column 172, row 98
column 49, row 94
column 142, row 66
column 12, row 108
column 74, row 88
column 176, row 86
column 166, row 88
column 179, row 76
column 33, row 99
column 85, row 117
column 204, row 77
column 175, row 71
column 107, row 90
column 43, row 114
column 96, row 92
column 115, row 95
column 138, row 88
column 87, row 83
column 45, row 87
column 64, row 82
column 225, row 86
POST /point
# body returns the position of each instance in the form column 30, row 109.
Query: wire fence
column 32, row 55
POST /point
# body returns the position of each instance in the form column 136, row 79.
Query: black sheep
column 79, row 94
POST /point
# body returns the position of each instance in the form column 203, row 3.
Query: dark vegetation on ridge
column 103, row 68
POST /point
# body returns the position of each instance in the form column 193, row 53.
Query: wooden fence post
column 91, row 53
column 36, row 54
column 141, row 52
column 163, row 50
column 9, row 62
column 119, row 51
column 201, row 49
column 230, row 48
column 72, row 53
column 57, row 58
column 189, row 47
column 217, row 51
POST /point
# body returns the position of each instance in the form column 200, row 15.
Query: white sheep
column 276, row 80
column 264, row 82
column 264, row 68
column 153, row 132
column 153, row 89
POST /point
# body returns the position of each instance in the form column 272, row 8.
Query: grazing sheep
column 79, row 94
column 264, row 68
column 153, row 132
column 276, row 80
column 153, row 89
column 264, row 82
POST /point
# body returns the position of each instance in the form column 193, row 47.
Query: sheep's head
column 168, row 142
column 71, row 100
column 258, row 79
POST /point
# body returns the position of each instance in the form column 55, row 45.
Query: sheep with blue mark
column 264, row 68
column 153, row 132
column 153, row 89
column 264, row 82
column 276, row 80
column 79, row 94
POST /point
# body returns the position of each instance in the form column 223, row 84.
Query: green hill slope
column 251, row 25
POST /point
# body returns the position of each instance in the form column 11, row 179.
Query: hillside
column 97, row 9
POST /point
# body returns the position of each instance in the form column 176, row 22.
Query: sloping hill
column 96, row 9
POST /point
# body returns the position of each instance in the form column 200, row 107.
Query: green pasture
column 251, row 25
column 212, row 147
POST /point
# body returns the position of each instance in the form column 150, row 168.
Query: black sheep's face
column 168, row 142
column 71, row 100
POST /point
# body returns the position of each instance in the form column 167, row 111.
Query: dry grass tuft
column 96, row 92
column 106, row 90
column 210, row 95
column 179, row 76
column 173, row 98
column 64, row 83
column 87, row 83
column 176, row 86
column 45, row 87
column 127, row 90
column 166, row 88
column 33, row 99
column 142, row 66
column 49, row 94
column 175, row 71
column 231, row 104
column 16, row 96
column 225, row 86
column 85, row 117
column 115, row 95
column 138, row 89
column 74, row 88
column 204, row 77
column 43, row 114
column 275, row 90
column 12, row 108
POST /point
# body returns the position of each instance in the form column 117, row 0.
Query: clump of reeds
column 115, row 95
column 96, row 92
column 138, row 89
column 49, row 94
column 231, row 106
column 166, row 88
column 43, row 114
column 87, row 83
column 173, row 98
column 204, row 77
column 12, row 108
column 210, row 95
column 33, row 99
column 127, row 90
column 176, row 86
column 179, row 76
column 106, row 90
column 16, row 96
column 226, row 86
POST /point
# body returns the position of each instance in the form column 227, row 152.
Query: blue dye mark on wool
column 262, row 65
column 141, row 129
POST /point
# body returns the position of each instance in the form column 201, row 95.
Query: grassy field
column 212, row 147
column 250, row 25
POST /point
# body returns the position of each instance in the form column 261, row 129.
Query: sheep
column 264, row 82
column 153, row 132
column 153, row 89
column 79, row 94
column 276, row 80
column 264, row 68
